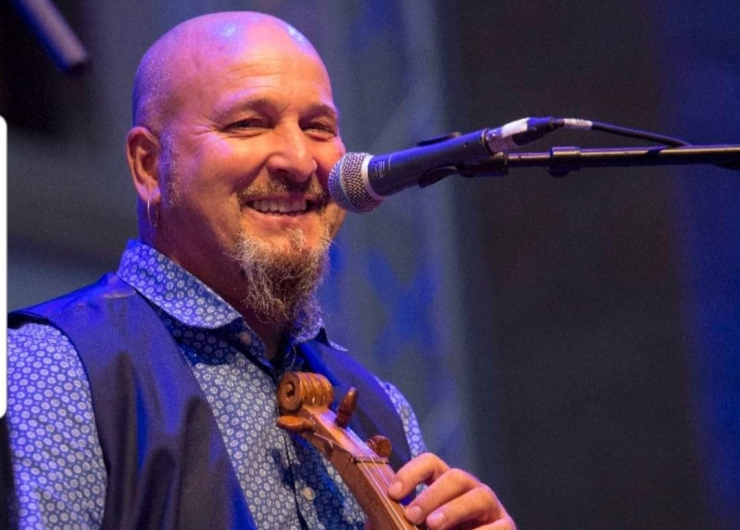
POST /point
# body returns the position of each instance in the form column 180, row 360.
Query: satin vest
column 167, row 464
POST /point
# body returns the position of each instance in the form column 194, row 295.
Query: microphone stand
column 560, row 161
column 57, row 37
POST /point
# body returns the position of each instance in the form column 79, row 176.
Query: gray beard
column 281, row 286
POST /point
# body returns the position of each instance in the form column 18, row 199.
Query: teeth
column 279, row 205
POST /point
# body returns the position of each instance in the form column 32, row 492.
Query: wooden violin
column 303, row 402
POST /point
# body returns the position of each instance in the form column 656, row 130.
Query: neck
column 270, row 333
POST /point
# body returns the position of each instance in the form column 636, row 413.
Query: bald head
column 182, row 52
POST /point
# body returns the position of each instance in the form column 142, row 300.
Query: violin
column 303, row 403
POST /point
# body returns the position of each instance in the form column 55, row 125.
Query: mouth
column 289, row 206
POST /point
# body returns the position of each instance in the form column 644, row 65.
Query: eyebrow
column 239, row 102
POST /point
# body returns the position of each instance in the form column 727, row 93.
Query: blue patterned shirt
column 57, row 459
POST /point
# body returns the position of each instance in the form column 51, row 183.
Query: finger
column 449, row 486
column 424, row 469
column 479, row 505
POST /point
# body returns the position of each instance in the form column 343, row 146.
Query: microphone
column 359, row 181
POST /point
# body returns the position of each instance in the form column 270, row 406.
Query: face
column 248, row 150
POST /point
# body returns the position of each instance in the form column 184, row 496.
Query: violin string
column 389, row 476
column 384, row 478
column 370, row 473
column 387, row 479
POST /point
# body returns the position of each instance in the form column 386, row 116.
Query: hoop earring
column 149, row 214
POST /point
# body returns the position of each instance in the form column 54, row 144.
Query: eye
column 321, row 129
column 250, row 123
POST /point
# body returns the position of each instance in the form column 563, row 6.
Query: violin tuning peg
column 346, row 408
column 380, row 445
column 294, row 424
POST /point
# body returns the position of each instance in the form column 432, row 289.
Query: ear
column 142, row 152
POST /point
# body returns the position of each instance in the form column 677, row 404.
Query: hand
column 453, row 499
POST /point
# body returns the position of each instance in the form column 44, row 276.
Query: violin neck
column 368, row 478
column 303, row 400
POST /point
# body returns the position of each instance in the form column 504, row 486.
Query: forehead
column 230, row 60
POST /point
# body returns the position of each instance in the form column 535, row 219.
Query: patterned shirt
column 57, row 459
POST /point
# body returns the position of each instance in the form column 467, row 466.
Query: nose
column 291, row 155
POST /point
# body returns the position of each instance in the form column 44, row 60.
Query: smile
column 281, row 206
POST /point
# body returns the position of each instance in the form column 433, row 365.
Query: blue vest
column 167, row 465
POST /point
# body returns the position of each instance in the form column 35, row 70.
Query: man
column 113, row 423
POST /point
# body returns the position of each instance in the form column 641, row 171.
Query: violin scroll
column 298, row 389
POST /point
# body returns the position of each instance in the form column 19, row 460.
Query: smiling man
column 235, row 134
column 148, row 399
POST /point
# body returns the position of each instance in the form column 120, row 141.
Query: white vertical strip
column 3, row 265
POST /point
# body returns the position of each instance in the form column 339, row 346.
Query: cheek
column 221, row 168
column 203, row 192
column 335, row 217
column 218, row 169
column 327, row 158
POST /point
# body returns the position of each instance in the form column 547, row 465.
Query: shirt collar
column 184, row 297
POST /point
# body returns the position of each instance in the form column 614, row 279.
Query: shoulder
column 42, row 362
column 109, row 287
column 37, row 340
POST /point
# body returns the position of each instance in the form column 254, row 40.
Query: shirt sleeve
column 410, row 423
column 57, row 460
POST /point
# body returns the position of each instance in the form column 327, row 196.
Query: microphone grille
column 347, row 186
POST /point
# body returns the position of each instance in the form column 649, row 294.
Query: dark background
column 610, row 297
column 595, row 318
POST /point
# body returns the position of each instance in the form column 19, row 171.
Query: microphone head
column 347, row 185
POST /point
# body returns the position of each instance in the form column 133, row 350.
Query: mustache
column 310, row 187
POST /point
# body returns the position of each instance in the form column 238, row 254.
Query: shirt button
column 308, row 493
column 245, row 337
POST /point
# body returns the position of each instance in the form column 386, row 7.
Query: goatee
column 282, row 283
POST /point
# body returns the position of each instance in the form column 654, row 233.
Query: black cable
column 636, row 133
column 539, row 127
